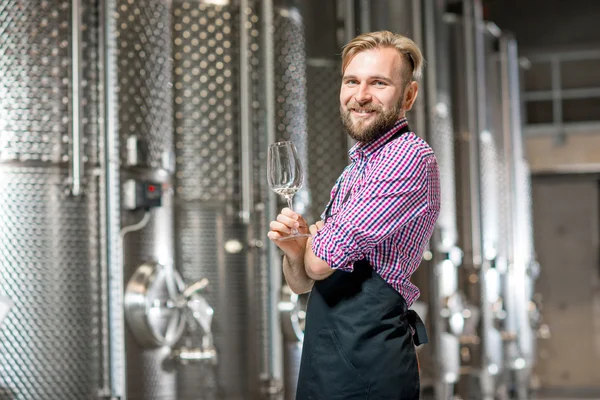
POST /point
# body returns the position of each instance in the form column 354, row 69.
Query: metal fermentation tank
column 493, row 209
column 141, row 36
column 475, row 152
column 439, row 276
column 76, row 232
column 48, row 237
column 212, row 239
column 214, row 128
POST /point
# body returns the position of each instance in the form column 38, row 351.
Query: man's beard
column 383, row 121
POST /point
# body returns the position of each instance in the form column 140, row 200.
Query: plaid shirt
column 391, row 211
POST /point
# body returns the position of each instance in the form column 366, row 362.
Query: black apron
column 358, row 339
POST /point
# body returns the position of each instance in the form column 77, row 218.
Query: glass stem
column 290, row 206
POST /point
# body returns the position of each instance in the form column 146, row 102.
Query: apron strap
column 418, row 327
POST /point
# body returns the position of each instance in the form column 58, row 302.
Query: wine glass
column 285, row 175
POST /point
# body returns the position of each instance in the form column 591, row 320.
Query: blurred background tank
column 48, row 200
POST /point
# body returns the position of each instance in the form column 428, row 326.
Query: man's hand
column 316, row 227
column 293, row 262
column 282, row 226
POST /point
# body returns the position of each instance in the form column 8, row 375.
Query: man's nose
column 362, row 94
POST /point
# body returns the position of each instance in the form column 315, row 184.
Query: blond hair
column 373, row 40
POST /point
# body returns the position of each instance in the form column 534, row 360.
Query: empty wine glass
column 285, row 175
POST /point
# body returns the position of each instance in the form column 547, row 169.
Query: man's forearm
column 315, row 268
column 295, row 275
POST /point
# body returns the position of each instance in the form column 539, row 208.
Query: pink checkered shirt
column 391, row 212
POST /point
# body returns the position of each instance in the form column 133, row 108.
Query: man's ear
column 410, row 95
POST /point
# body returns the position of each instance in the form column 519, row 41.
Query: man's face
column 372, row 93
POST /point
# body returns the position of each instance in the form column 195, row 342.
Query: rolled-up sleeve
column 393, row 194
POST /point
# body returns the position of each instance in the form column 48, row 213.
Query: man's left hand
column 314, row 228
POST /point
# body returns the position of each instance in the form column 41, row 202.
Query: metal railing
column 558, row 93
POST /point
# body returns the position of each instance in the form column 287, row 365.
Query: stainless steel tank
column 143, row 107
column 47, row 143
column 522, row 311
column 226, row 62
column 327, row 141
column 291, row 124
column 210, row 235
column 495, row 195
column 328, row 144
column 439, row 277
column 45, row 270
column 478, row 340
column 490, row 200
column 290, row 89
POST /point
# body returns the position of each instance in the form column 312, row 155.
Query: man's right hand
column 282, row 226
column 293, row 262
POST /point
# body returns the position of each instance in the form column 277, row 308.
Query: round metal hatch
column 151, row 306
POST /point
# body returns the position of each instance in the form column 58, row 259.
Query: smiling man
column 360, row 335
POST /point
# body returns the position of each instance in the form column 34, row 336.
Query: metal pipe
column 418, row 37
column 486, row 325
column 541, row 95
column 436, row 322
column 474, row 130
column 474, row 53
column 563, row 56
column 321, row 62
column 76, row 149
column 349, row 33
column 110, row 208
column 557, row 110
column 349, row 21
column 104, row 390
column 524, row 347
column 510, row 174
column 245, row 117
column 365, row 16
column 509, row 45
column 273, row 364
column 443, row 280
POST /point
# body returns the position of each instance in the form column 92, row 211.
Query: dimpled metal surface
column 145, row 87
column 205, row 94
column 35, row 92
column 145, row 110
column 327, row 141
column 45, row 265
column 45, row 346
column 207, row 186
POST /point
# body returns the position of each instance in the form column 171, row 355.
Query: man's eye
column 380, row 83
column 351, row 82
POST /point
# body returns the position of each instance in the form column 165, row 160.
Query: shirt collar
column 371, row 147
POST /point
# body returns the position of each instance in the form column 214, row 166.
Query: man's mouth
column 362, row 113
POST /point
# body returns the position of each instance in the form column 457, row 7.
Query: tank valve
column 200, row 314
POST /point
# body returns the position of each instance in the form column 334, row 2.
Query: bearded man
column 360, row 335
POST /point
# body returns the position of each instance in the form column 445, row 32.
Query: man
column 359, row 337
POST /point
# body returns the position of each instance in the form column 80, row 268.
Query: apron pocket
column 334, row 376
